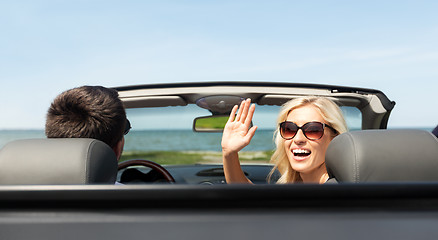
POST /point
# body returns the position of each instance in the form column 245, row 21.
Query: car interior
column 352, row 157
column 216, row 97
column 386, row 181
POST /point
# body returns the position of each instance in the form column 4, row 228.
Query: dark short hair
column 87, row 112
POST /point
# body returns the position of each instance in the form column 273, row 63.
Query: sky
column 47, row 47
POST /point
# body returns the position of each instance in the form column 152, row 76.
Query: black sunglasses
column 127, row 127
column 311, row 130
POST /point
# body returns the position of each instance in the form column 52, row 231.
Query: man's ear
column 118, row 148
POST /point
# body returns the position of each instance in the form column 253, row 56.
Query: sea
column 162, row 140
column 166, row 140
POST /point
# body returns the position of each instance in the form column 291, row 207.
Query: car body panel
column 331, row 211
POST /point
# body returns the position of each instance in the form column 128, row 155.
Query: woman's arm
column 237, row 135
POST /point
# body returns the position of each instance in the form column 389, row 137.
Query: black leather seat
column 57, row 161
column 383, row 156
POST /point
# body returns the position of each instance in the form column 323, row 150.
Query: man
column 89, row 112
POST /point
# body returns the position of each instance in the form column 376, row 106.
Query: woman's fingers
column 250, row 133
column 244, row 114
column 237, row 133
column 232, row 114
column 239, row 113
column 250, row 115
column 245, row 110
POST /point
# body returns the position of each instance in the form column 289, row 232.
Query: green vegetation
column 192, row 157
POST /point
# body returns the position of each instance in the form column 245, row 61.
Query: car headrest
column 383, row 156
column 57, row 161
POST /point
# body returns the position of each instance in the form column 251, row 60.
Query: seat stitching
column 355, row 164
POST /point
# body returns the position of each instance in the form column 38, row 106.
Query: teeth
column 300, row 151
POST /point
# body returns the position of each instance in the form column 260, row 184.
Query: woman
column 300, row 155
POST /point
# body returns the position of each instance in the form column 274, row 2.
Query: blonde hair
column 331, row 114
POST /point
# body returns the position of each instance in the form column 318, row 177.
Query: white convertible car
column 174, row 184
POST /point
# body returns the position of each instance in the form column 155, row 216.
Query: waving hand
column 237, row 133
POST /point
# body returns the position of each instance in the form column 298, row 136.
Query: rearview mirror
column 210, row 123
column 215, row 123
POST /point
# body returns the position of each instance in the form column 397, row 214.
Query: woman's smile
column 301, row 154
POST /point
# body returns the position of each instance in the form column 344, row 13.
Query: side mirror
column 210, row 123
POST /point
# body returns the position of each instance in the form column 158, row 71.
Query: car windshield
column 165, row 135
